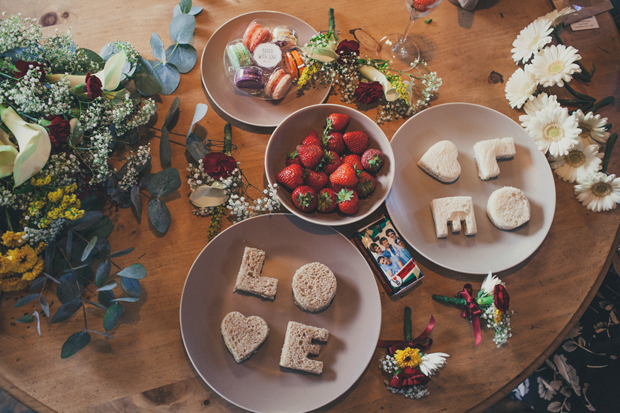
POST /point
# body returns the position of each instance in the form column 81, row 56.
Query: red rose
column 368, row 92
column 23, row 68
column 501, row 298
column 93, row 86
column 59, row 129
column 347, row 49
column 409, row 377
column 219, row 165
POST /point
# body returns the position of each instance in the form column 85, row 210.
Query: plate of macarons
column 472, row 192
column 261, row 62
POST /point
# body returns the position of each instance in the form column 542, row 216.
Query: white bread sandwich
column 243, row 336
column 440, row 161
column 508, row 208
column 298, row 345
column 314, row 287
column 453, row 210
column 488, row 152
column 249, row 278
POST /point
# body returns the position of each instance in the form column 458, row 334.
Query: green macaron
column 238, row 55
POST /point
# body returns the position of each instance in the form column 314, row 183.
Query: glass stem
column 402, row 39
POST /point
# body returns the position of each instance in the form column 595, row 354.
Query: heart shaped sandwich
column 440, row 161
column 243, row 335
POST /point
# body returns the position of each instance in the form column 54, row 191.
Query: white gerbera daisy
column 535, row 104
column 520, row 87
column 558, row 16
column 580, row 162
column 599, row 192
column 554, row 131
column 430, row 363
column 489, row 283
column 555, row 65
column 592, row 127
column 531, row 39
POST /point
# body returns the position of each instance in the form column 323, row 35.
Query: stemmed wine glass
column 400, row 49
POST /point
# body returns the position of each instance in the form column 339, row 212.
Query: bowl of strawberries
column 333, row 165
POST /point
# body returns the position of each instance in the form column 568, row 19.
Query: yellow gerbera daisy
column 409, row 357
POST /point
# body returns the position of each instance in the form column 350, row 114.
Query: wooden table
column 145, row 368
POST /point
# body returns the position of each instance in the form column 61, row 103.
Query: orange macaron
column 294, row 63
column 254, row 35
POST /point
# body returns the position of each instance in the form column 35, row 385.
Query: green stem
column 332, row 21
column 173, row 50
column 578, row 95
column 227, row 139
column 407, row 324
column 584, row 72
column 608, row 148
column 449, row 300
column 601, row 103
column 585, row 108
column 8, row 220
column 572, row 102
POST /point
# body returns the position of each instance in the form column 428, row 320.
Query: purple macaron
column 249, row 77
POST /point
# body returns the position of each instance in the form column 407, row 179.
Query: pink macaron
column 254, row 35
column 278, row 84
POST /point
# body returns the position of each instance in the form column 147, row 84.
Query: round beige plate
column 247, row 109
column 408, row 203
column 258, row 384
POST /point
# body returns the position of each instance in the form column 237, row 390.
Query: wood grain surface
column 145, row 367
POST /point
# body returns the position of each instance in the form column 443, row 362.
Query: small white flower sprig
column 572, row 140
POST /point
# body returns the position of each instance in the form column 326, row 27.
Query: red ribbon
column 471, row 311
column 422, row 342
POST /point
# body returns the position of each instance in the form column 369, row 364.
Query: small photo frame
column 386, row 250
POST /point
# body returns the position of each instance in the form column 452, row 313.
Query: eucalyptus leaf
column 68, row 289
column 135, row 271
column 185, row 6
column 146, row 79
column 89, row 248
column 131, row 286
column 199, row 113
column 121, row 253
column 50, row 251
column 168, row 75
column 105, row 298
column 93, row 57
column 45, row 306
column 85, row 265
column 66, row 310
column 108, row 51
column 101, row 333
column 88, row 220
column 26, row 299
column 100, row 306
column 102, row 228
column 164, row 147
column 74, row 343
column 127, row 299
column 36, row 315
column 37, row 284
column 164, row 182
column 157, row 47
column 196, row 147
column 184, row 57
column 108, row 286
column 69, row 242
column 144, row 181
column 159, row 215
column 25, row 319
column 102, row 247
column 182, row 28
column 174, row 107
column 112, row 315
column 136, row 200
column 176, row 11
column 195, row 10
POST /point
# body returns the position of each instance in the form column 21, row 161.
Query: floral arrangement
column 408, row 364
column 64, row 112
column 362, row 79
column 492, row 304
column 572, row 140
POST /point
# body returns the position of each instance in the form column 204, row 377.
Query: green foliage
column 75, row 343
column 165, row 152
column 164, row 182
column 135, row 271
column 112, row 315
column 159, row 214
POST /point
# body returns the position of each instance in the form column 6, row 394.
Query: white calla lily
column 8, row 153
column 110, row 76
column 324, row 54
column 34, row 145
column 374, row 75
column 206, row 196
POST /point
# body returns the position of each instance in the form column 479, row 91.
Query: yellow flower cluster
column 409, row 357
column 61, row 203
column 19, row 266
column 401, row 87
column 307, row 75
column 41, row 181
column 497, row 316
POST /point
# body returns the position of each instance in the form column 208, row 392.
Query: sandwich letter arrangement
column 298, row 345
column 249, row 278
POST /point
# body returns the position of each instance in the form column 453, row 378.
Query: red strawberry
column 337, row 188
column 331, row 162
column 348, row 202
column 355, row 161
column 305, row 198
column 337, row 122
column 328, row 200
column 310, row 155
column 333, row 141
column 312, row 139
column 316, row 180
column 292, row 158
column 422, row 5
column 366, row 185
column 345, row 175
column 291, row 177
column 372, row 160
column 357, row 141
